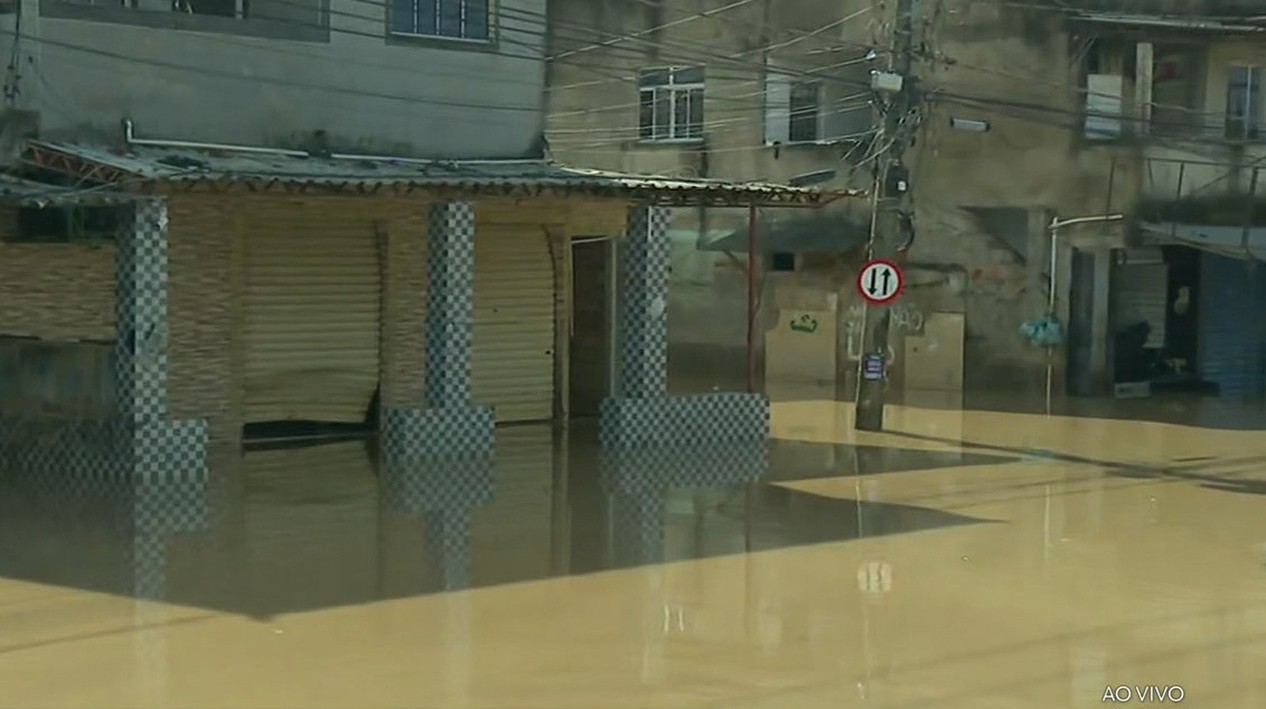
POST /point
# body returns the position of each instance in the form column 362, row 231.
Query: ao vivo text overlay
column 1144, row 693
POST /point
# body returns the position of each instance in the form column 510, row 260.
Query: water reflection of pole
column 149, row 615
column 458, row 648
column 864, row 689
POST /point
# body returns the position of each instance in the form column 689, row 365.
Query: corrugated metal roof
column 1206, row 24
column 797, row 236
column 182, row 165
column 37, row 194
column 1222, row 240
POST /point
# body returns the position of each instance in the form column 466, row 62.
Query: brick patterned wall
column 202, row 305
column 57, row 291
column 404, row 306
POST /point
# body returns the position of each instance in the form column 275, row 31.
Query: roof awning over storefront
column 25, row 193
column 1222, row 240
column 796, row 236
column 145, row 168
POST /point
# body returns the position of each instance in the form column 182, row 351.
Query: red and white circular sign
column 880, row 281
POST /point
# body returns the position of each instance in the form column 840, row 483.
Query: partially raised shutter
column 512, row 367
column 311, row 310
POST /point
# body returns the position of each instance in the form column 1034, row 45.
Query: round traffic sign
column 880, row 281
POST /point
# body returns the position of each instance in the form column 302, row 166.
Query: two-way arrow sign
column 880, row 281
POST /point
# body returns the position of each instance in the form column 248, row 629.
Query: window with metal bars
column 671, row 104
column 447, row 19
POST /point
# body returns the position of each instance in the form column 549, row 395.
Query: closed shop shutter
column 1140, row 292
column 1231, row 341
column 512, row 367
column 311, row 311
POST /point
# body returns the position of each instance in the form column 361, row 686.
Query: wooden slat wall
column 57, row 291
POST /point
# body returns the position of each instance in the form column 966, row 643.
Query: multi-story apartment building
column 1030, row 112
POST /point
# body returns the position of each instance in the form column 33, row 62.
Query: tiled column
column 447, row 424
column 158, row 446
column 642, row 271
column 642, row 414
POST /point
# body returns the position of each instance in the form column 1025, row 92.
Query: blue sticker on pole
column 873, row 367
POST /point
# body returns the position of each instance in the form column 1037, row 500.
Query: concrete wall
column 1035, row 160
column 56, row 379
column 257, row 82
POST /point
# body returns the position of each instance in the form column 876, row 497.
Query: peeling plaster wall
column 1037, row 160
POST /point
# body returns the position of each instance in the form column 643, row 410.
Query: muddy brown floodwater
column 962, row 559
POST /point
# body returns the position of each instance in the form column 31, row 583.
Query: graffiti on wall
column 907, row 319
column 904, row 319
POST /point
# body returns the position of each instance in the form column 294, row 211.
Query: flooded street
column 962, row 559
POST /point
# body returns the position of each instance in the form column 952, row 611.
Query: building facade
column 337, row 74
column 1028, row 115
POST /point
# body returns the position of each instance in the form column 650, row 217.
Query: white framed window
column 446, row 19
column 801, row 110
column 1105, row 106
column 670, row 104
column 793, row 110
column 1244, row 103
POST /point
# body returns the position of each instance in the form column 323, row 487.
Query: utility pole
column 891, row 205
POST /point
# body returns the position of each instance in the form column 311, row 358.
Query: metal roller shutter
column 512, row 366
column 1231, row 352
column 1140, row 291
column 311, row 311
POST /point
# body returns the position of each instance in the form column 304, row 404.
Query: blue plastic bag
column 1045, row 331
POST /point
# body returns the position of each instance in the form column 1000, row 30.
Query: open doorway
column 592, row 325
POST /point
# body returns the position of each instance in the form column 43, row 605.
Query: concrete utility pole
column 892, row 198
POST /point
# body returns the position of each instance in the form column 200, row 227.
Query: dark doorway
column 1081, row 310
column 589, row 367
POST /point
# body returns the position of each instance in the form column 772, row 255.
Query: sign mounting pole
column 891, row 207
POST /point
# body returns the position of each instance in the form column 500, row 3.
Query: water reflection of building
column 641, row 483
column 106, row 535
column 443, row 494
